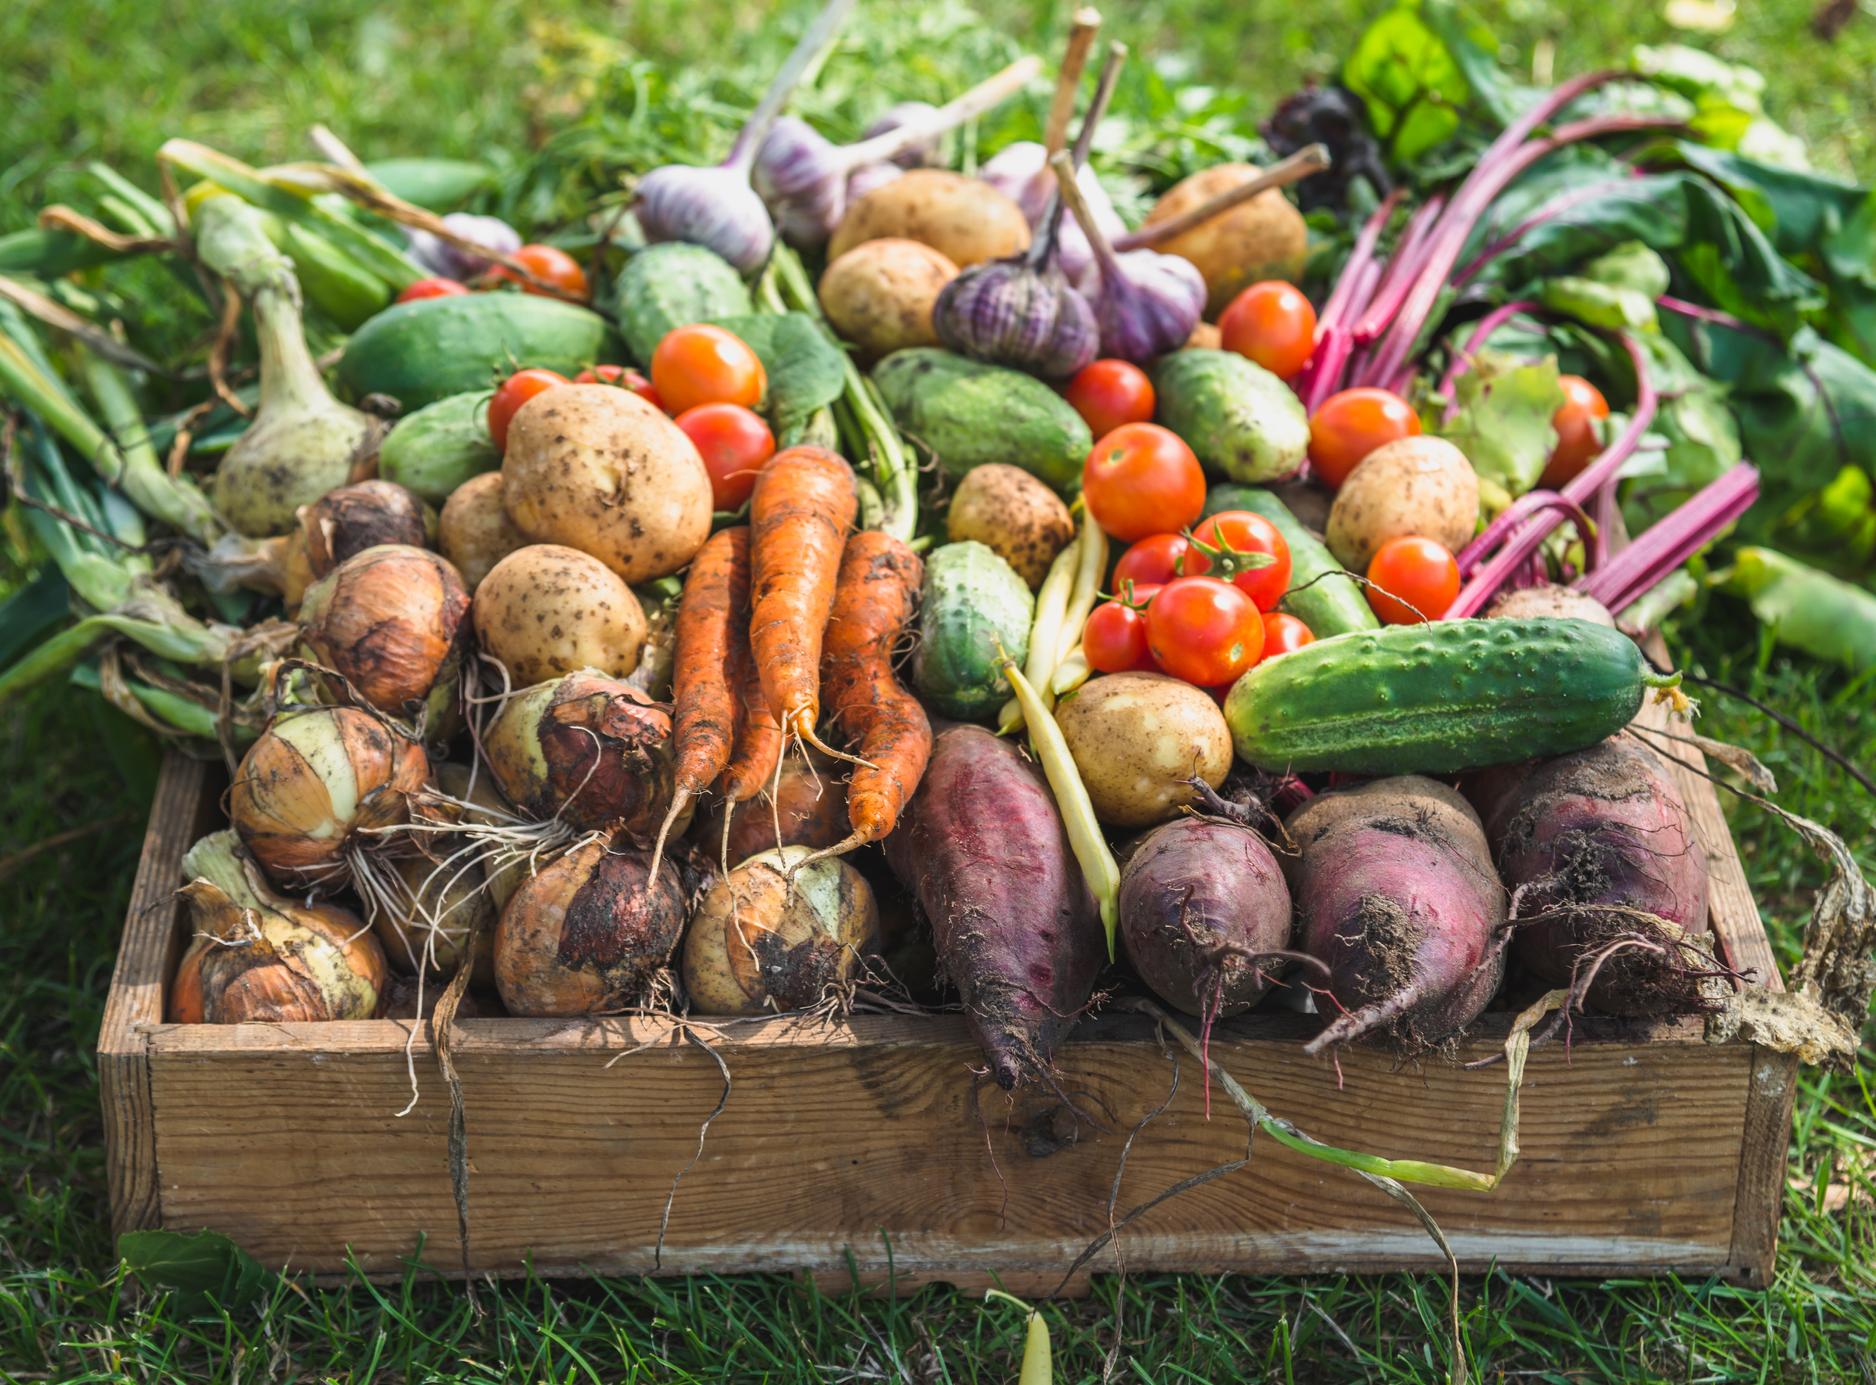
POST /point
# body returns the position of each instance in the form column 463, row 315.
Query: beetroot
column 1597, row 848
column 1396, row 896
column 1203, row 908
column 983, row 848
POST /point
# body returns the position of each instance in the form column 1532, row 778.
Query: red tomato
column 511, row 394
column 1142, row 479
column 1350, row 425
column 547, row 263
column 1583, row 407
column 625, row 378
column 1157, row 558
column 1272, row 323
column 1412, row 580
column 1284, row 633
column 1114, row 639
column 701, row 364
column 1204, row 631
column 1234, row 535
column 432, row 288
column 1109, row 393
column 735, row 444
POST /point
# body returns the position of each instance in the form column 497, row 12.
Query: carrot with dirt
column 875, row 599
column 703, row 698
column 805, row 502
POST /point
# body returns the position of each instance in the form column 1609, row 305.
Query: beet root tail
column 1375, row 1015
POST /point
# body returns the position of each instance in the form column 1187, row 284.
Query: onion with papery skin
column 716, row 207
column 591, row 932
column 259, row 957
column 475, row 801
column 309, row 789
column 390, row 621
column 810, row 810
column 324, row 534
column 778, row 935
column 452, row 262
column 586, row 749
column 301, row 442
column 446, row 901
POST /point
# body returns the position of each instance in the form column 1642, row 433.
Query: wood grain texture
column 1645, row 1149
column 145, row 961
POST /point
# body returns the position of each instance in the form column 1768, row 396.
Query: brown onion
column 258, row 957
column 811, row 806
column 586, row 749
column 313, row 783
column 445, row 902
column 589, row 933
column 345, row 522
column 390, row 621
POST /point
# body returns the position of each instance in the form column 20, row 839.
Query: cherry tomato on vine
column 1204, row 631
column 1157, row 558
column 1411, row 580
column 1108, row 393
column 1575, row 422
column 735, row 444
column 511, row 394
column 1351, row 424
column 432, row 288
column 624, row 377
column 547, row 263
column 1272, row 323
column 1235, row 535
column 701, row 364
column 1284, row 634
column 1114, row 639
column 1142, row 479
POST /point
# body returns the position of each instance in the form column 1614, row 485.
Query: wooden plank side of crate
column 840, row 1141
column 145, row 961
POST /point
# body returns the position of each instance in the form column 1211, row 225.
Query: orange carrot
column 804, row 503
column 703, row 714
column 874, row 602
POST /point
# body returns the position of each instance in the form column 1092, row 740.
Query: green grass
column 112, row 80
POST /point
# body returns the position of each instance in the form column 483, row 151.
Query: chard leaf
column 1502, row 418
column 1421, row 68
column 1807, row 609
column 1617, row 289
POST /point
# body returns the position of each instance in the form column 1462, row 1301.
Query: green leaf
column 1807, row 609
column 1410, row 81
column 34, row 610
column 204, row 1269
column 804, row 367
column 1616, row 290
column 1839, row 520
column 1502, row 420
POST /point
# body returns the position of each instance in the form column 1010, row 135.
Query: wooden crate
column 864, row 1148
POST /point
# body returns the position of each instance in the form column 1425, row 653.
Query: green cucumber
column 344, row 291
column 440, row 185
column 966, row 413
column 1242, row 421
column 673, row 284
column 974, row 608
column 1439, row 698
column 428, row 350
column 436, row 449
column 1322, row 595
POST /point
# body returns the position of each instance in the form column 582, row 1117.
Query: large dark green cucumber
column 1439, row 698
column 427, row 350
column 1322, row 594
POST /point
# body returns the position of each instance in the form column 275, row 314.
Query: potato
column 1205, row 337
column 545, row 610
column 963, row 219
column 1417, row 485
column 596, row 468
column 475, row 532
column 879, row 294
column 1137, row 739
column 775, row 935
column 1008, row 510
column 1264, row 238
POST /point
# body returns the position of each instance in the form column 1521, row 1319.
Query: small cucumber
column 673, row 284
column 974, row 609
column 440, row 185
column 966, row 413
column 1439, row 698
column 1322, row 595
column 436, row 449
column 1242, row 421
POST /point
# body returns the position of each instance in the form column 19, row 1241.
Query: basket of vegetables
column 899, row 657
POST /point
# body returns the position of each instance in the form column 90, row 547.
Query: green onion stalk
column 893, row 506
